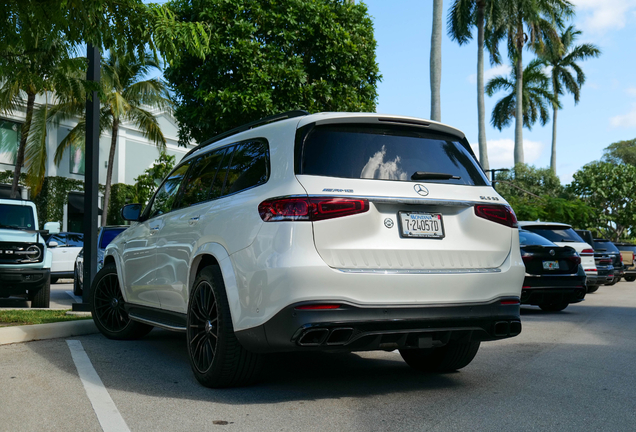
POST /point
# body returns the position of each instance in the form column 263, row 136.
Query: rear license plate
column 550, row 265
column 427, row 225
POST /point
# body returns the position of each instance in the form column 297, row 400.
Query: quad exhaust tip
column 315, row 337
column 507, row 328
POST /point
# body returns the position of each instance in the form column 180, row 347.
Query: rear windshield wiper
column 424, row 175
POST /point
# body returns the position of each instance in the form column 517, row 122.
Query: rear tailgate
column 377, row 164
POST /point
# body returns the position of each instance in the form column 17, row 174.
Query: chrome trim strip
column 421, row 271
column 157, row 324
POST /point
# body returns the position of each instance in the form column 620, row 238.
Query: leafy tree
column 148, row 182
column 529, row 22
column 268, row 57
column 621, row 152
column 535, row 96
column 436, row 60
column 126, row 95
column 610, row 189
column 562, row 57
column 537, row 194
column 462, row 17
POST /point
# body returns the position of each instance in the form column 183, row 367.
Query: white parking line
column 107, row 413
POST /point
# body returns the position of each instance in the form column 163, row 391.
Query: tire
column 77, row 289
column 448, row 358
column 217, row 358
column 54, row 280
column 630, row 278
column 554, row 307
column 613, row 282
column 42, row 297
column 592, row 288
column 107, row 307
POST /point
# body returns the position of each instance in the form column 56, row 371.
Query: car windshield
column 527, row 238
column 606, row 244
column 555, row 233
column 109, row 235
column 385, row 153
column 16, row 217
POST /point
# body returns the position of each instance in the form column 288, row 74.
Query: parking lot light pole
column 91, row 179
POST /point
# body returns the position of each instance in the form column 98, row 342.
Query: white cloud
column 491, row 73
column 631, row 91
column 626, row 120
column 601, row 15
column 501, row 152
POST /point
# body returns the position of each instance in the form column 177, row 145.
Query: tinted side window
column 219, row 180
column 200, row 178
column 165, row 197
column 249, row 167
column 60, row 239
column 556, row 234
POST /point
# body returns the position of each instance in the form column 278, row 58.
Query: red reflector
column 587, row 252
column 501, row 214
column 310, row 209
column 526, row 286
column 317, row 307
column 511, row 302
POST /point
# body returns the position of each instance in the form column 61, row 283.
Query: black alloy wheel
column 203, row 329
column 216, row 356
column 107, row 307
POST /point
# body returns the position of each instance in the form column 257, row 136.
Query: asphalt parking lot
column 61, row 297
column 567, row 371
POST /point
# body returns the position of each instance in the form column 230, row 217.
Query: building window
column 77, row 157
column 9, row 141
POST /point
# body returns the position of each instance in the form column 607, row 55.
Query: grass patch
column 27, row 316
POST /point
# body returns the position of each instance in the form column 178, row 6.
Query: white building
column 134, row 153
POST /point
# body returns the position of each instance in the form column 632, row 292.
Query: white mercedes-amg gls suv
column 323, row 232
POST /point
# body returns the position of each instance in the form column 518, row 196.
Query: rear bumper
column 354, row 327
column 554, row 289
column 19, row 281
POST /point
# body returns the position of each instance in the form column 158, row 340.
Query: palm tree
column 536, row 97
column 125, row 97
column 529, row 22
column 562, row 59
column 41, row 71
column 436, row 60
column 463, row 15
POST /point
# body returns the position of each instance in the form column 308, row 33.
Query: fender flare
column 220, row 254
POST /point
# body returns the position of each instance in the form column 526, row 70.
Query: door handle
column 194, row 220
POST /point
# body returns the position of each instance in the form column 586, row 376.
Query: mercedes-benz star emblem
column 421, row 189
column 388, row 222
column 552, row 252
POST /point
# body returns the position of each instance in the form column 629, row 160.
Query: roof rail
column 248, row 126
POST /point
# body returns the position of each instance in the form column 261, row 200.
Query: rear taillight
column 621, row 255
column 587, row 252
column 527, row 257
column 501, row 214
column 310, row 209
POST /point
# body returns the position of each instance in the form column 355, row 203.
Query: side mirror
column 52, row 227
column 131, row 212
column 52, row 244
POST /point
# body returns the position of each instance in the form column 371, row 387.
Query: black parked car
column 609, row 261
column 554, row 276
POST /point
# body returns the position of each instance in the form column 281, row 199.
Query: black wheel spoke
column 109, row 304
column 202, row 326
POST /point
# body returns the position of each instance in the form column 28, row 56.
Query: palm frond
column 76, row 138
column 148, row 125
column 460, row 20
column 36, row 150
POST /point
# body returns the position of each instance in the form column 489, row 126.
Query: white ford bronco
column 25, row 262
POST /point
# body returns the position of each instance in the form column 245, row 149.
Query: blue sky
column 606, row 112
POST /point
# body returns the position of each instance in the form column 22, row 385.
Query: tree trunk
column 555, row 108
column 19, row 160
column 481, row 108
column 109, row 171
column 519, row 96
column 436, row 61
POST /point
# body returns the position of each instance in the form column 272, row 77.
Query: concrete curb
column 27, row 333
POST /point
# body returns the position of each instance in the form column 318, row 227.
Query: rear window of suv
column 605, row 244
column 556, row 234
column 383, row 153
